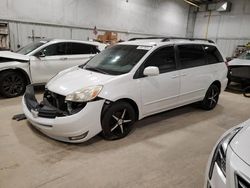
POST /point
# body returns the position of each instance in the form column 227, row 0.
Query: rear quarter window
column 79, row 48
column 213, row 54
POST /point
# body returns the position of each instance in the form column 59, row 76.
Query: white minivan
column 39, row 61
column 126, row 83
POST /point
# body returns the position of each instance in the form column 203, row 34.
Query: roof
column 71, row 40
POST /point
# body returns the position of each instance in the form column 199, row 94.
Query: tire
column 118, row 121
column 246, row 92
column 211, row 98
column 12, row 84
column 228, row 82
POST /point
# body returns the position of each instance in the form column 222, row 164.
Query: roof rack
column 164, row 39
column 145, row 38
column 185, row 38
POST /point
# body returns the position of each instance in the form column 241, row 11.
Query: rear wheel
column 12, row 84
column 118, row 121
column 211, row 98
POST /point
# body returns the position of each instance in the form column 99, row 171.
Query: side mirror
column 151, row 71
column 40, row 54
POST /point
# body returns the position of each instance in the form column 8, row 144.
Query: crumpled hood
column 14, row 56
column 241, row 143
column 240, row 62
column 71, row 80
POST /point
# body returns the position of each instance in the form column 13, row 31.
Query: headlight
column 220, row 152
column 84, row 95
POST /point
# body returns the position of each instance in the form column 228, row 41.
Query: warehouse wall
column 77, row 18
column 227, row 29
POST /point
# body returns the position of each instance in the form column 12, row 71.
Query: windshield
column 30, row 47
column 117, row 60
column 245, row 55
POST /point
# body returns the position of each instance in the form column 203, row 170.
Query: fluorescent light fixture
column 224, row 6
column 191, row 3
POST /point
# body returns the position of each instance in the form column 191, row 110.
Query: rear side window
column 213, row 54
column 163, row 58
column 191, row 56
column 79, row 48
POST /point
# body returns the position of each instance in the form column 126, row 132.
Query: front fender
column 15, row 65
column 126, row 88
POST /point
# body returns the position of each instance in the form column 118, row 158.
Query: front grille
column 241, row 182
column 240, row 71
column 58, row 101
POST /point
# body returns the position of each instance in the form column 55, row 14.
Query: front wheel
column 211, row 98
column 118, row 121
column 12, row 84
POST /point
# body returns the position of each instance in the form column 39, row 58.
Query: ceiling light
column 191, row 3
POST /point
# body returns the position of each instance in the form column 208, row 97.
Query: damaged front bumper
column 43, row 109
column 60, row 124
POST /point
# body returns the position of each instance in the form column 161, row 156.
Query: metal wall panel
column 77, row 18
column 23, row 33
column 228, row 46
column 227, row 29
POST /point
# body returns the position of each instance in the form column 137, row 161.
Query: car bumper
column 239, row 74
column 239, row 79
column 236, row 170
column 74, row 128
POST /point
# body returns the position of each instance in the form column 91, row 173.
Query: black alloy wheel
column 12, row 84
column 211, row 98
column 118, row 120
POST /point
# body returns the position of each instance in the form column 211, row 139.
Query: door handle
column 183, row 74
column 63, row 58
column 175, row 76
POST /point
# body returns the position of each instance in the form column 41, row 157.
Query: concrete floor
column 166, row 150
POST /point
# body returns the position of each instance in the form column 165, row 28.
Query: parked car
column 39, row 61
column 229, row 163
column 239, row 69
column 125, row 83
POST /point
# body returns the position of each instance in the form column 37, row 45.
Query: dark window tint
column 163, row 58
column 191, row 56
column 55, row 49
column 213, row 54
column 78, row 48
column 95, row 50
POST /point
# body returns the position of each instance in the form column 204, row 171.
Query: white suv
column 40, row 61
column 125, row 83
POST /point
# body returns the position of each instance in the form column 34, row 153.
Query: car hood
column 14, row 56
column 241, row 143
column 241, row 62
column 71, row 80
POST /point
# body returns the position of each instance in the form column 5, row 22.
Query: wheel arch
column 128, row 100
column 217, row 83
column 20, row 71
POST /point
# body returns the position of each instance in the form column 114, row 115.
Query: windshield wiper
column 95, row 69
